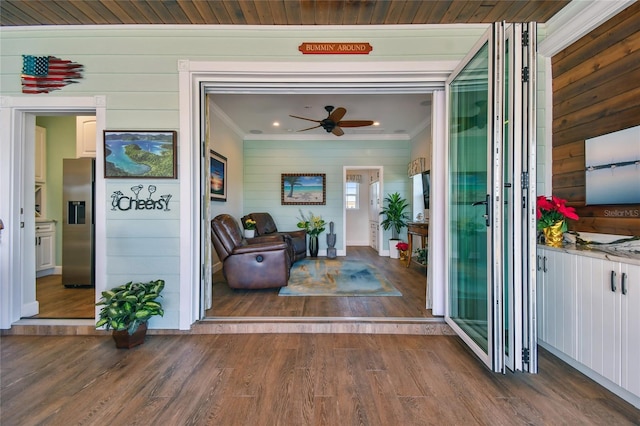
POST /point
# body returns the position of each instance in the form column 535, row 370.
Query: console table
column 416, row 228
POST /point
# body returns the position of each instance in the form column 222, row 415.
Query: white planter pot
column 249, row 233
column 393, row 251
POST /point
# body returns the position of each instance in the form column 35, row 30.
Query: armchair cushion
column 261, row 262
column 265, row 225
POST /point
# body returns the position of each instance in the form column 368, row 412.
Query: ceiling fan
column 333, row 123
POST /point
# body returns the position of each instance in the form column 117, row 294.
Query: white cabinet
column 609, row 320
column 373, row 235
column 557, row 299
column 588, row 310
column 85, row 136
column 41, row 155
column 45, row 246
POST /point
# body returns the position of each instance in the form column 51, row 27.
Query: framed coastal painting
column 218, row 179
column 303, row 189
column 140, row 154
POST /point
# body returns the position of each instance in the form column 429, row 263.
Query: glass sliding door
column 488, row 214
column 475, row 128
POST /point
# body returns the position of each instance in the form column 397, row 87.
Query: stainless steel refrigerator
column 78, row 245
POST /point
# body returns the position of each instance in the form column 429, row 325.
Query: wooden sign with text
column 317, row 48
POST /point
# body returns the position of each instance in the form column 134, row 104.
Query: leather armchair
column 254, row 263
column 265, row 225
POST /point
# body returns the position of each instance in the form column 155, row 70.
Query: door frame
column 17, row 289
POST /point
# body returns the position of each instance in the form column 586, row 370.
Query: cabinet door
column 630, row 328
column 85, row 137
column 560, row 301
column 45, row 251
column 41, row 154
column 540, row 293
column 599, row 317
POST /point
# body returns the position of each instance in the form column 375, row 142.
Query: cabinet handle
column 613, row 281
column 538, row 262
column 624, row 283
column 544, row 264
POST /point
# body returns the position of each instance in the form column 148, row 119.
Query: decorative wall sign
column 218, row 179
column 43, row 74
column 303, row 189
column 140, row 153
column 142, row 199
column 320, row 48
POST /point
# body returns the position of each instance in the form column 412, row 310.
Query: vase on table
column 553, row 234
column 249, row 233
column 313, row 245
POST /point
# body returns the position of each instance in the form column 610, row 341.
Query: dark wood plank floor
column 287, row 379
column 411, row 282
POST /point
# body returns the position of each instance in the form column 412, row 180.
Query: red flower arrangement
column 552, row 210
column 402, row 246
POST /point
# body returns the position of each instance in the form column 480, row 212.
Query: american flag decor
column 43, row 74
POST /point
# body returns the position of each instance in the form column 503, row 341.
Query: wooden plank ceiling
column 273, row 12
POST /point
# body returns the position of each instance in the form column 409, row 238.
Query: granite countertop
column 607, row 252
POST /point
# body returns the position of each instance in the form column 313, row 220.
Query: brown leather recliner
column 265, row 225
column 262, row 262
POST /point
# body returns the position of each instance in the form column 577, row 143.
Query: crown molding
column 577, row 19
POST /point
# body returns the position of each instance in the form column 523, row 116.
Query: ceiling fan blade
column 337, row 114
column 355, row 123
column 304, row 118
column 337, row 131
column 314, row 127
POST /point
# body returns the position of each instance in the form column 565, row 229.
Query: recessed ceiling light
column 376, row 123
column 255, row 132
column 276, row 124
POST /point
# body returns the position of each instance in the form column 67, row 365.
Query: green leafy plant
column 129, row 305
column 421, row 255
column 314, row 225
column 396, row 217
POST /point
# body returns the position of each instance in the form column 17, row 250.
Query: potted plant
column 126, row 310
column 395, row 219
column 552, row 214
column 249, row 228
column 314, row 225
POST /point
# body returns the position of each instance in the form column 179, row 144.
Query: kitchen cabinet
column 557, row 288
column 588, row 306
column 86, row 136
column 45, row 247
column 609, row 320
column 373, row 235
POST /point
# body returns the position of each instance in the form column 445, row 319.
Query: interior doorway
column 362, row 194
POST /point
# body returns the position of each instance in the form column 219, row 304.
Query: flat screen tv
column 426, row 188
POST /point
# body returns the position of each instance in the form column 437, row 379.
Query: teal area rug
column 334, row 277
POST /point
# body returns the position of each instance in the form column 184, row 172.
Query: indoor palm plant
column 395, row 218
column 126, row 310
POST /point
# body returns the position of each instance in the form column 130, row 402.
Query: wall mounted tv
column 426, row 188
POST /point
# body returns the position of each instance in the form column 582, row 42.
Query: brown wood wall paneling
column 596, row 90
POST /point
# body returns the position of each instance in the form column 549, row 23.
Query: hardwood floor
column 57, row 301
column 410, row 281
column 287, row 379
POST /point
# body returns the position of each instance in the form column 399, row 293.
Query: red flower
column 402, row 246
column 550, row 211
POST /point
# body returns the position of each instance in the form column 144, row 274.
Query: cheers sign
column 141, row 200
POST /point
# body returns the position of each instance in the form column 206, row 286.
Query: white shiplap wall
column 135, row 68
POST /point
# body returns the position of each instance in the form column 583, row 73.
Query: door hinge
column 525, row 355
column 525, row 180
column 525, row 38
column 525, row 74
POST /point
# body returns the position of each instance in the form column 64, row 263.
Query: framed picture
column 303, row 188
column 140, row 154
column 218, row 176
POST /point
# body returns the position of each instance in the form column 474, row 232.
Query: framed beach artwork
column 303, row 189
column 218, row 176
column 140, row 154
